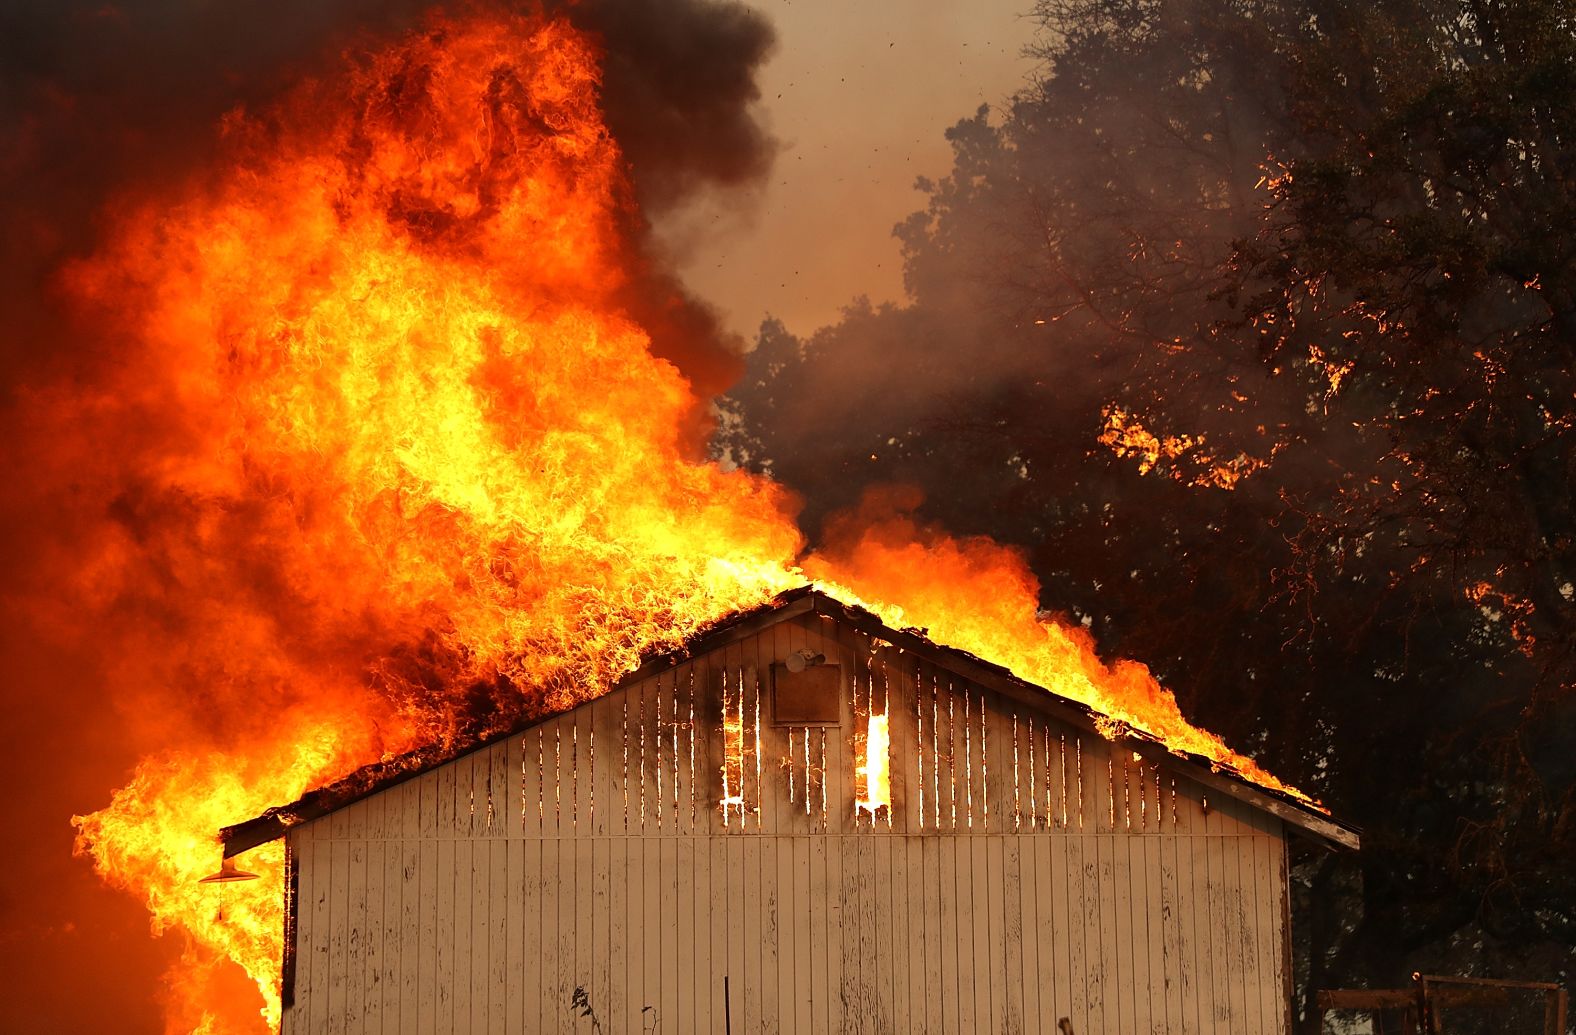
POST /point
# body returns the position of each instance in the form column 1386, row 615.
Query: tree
column 1411, row 252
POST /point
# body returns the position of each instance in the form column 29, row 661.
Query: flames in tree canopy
column 418, row 469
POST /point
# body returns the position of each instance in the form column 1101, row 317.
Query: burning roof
column 1293, row 808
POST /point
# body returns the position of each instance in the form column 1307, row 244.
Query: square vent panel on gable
column 809, row 695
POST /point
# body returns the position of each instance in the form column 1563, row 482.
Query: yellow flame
column 875, row 767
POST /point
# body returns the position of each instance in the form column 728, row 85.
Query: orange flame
column 1182, row 458
column 384, row 333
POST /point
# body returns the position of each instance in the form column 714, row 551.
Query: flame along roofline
column 1313, row 823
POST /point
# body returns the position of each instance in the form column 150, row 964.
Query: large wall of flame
column 399, row 387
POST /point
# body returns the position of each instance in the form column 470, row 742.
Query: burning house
column 805, row 821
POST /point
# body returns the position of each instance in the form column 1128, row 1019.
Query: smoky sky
column 108, row 104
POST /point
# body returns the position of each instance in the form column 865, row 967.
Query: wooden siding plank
column 339, row 926
column 371, row 1011
column 743, row 931
column 604, row 834
column 1244, row 931
column 786, row 914
column 582, row 838
column 1258, row 1010
column 1213, row 941
column 974, row 862
column 850, row 959
column 930, row 901
column 1021, row 1003
column 668, row 913
column 312, row 944
column 712, row 925
column 1032, row 974
column 681, row 934
column 956, row 1017
column 397, row 802
column 427, row 920
column 1080, row 887
column 1052, row 929
column 1118, row 940
column 1151, row 874
column 1198, row 905
column 292, row 1014
column 739, row 1005
column 472, row 960
column 584, row 979
column 802, row 907
column 968, row 954
column 1135, row 882
column 547, row 901
column 569, row 881
column 825, row 937
column 919, row 891
column 893, row 940
column 444, row 916
column 634, row 926
column 992, row 880
column 723, row 1003
column 616, row 1006
column 499, row 909
column 699, row 772
column 317, row 856
column 1233, row 920
column 515, row 973
column 1170, row 931
column 1099, row 929
column 1133, row 936
column 353, row 888
column 511, row 823
column 1094, row 794
column 1266, row 953
column 873, row 960
column 650, row 977
column 855, row 927
column 532, row 956
column 776, row 996
column 462, row 975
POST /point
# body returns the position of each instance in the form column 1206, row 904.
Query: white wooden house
column 705, row 849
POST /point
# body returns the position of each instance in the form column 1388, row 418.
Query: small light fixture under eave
column 228, row 873
column 800, row 660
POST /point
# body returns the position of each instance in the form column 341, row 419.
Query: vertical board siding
column 583, row 875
